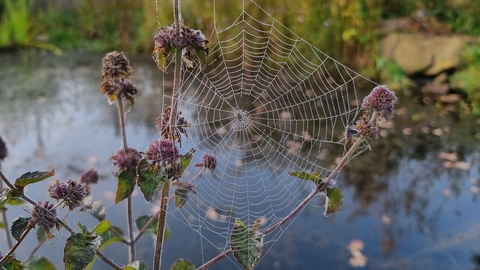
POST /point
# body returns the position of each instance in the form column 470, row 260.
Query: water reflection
column 412, row 202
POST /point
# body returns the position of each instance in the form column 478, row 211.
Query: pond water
column 410, row 203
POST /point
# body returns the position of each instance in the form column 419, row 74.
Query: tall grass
column 18, row 28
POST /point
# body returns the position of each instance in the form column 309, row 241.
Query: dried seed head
column 365, row 128
column 45, row 215
column 3, row 149
column 115, row 65
column 126, row 160
column 89, row 177
column 209, row 161
column 381, row 100
column 110, row 87
column 162, row 152
column 128, row 89
column 71, row 193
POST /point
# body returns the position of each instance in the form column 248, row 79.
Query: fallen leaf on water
column 448, row 156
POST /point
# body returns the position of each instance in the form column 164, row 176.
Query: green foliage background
column 345, row 29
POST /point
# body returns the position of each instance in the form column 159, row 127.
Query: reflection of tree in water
column 401, row 173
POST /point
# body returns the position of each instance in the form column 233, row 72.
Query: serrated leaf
column 102, row 227
column 152, row 228
column 95, row 208
column 11, row 264
column 137, row 265
column 107, row 238
column 246, row 244
column 79, row 251
column 32, row 177
column 314, row 176
column 182, row 264
column 19, row 225
column 126, row 184
column 181, row 196
column 41, row 235
column 333, row 202
column 5, row 196
column 149, row 179
column 39, row 263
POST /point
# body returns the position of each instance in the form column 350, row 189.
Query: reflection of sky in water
column 64, row 123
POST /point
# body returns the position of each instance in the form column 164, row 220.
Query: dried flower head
column 126, row 160
column 209, row 161
column 110, row 87
column 89, row 177
column 166, row 40
column 3, row 149
column 162, row 152
column 381, row 100
column 71, row 193
column 45, row 215
column 163, row 125
column 367, row 129
column 115, row 65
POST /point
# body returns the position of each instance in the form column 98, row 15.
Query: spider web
column 266, row 102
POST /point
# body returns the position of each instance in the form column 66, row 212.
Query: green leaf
column 161, row 61
column 126, row 184
column 150, row 180
column 181, row 196
column 95, row 208
column 41, row 235
column 202, row 56
column 5, row 196
column 182, row 264
column 136, row 265
column 19, row 225
column 101, row 227
column 152, row 228
column 11, row 264
column 108, row 237
column 39, row 263
column 186, row 160
column 2, row 225
column 246, row 244
column 79, row 251
column 16, row 201
column 32, row 177
column 333, row 202
column 315, row 176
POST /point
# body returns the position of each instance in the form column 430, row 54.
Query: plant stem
column 131, row 244
column 320, row 187
column 161, row 225
column 121, row 116
column 13, row 248
column 216, row 259
column 4, row 217
column 157, row 260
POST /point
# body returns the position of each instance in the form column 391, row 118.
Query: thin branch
column 10, row 252
column 320, row 187
column 4, row 217
column 216, row 259
column 157, row 261
column 131, row 245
